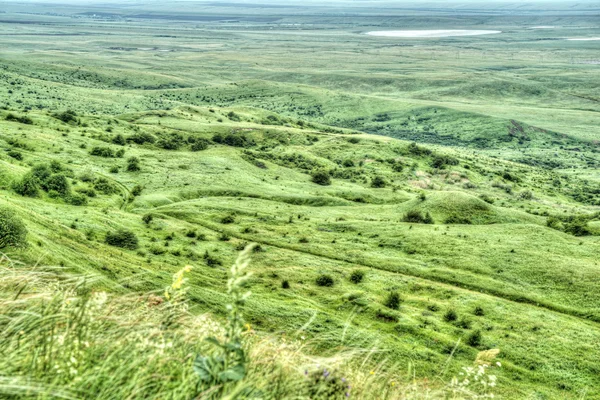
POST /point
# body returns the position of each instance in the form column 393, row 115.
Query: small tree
column 324, row 280
column 378, row 182
column 12, row 230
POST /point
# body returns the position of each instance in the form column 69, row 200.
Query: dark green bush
column 285, row 284
column 393, row 300
column 133, row 164
column 28, row 186
column 141, row 138
column 474, row 339
column 417, row 217
column 106, row 152
column 172, row 141
column 66, row 116
column 103, row 185
column 147, row 218
column 478, row 311
column 357, row 276
column 440, row 161
column 17, row 155
column 450, row 316
column 122, row 238
column 321, row 177
column 324, row 280
column 136, row 190
column 348, row 163
column 119, row 140
column 455, row 219
column 378, row 182
column 12, row 229
column 229, row 219
column 58, row 183
column 199, row 145
column 76, row 199
column 15, row 118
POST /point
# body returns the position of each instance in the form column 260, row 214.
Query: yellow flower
column 188, row 268
column 372, row 372
column 167, row 295
column 248, row 327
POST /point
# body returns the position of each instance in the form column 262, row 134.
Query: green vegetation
column 416, row 205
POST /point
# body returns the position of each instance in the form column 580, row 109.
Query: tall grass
column 61, row 340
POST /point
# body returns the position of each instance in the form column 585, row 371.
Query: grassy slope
column 536, row 285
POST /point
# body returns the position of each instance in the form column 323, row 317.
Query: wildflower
column 372, row 372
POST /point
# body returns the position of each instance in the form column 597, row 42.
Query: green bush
column 103, row 185
column 474, row 339
column 357, row 276
column 133, row 164
column 15, row 118
column 378, row 182
column 199, row 145
column 119, row 140
column 17, row 155
column 393, row 300
column 450, row 316
column 122, row 238
column 12, row 229
column 141, row 138
column 105, row 152
column 76, row 199
column 28, row 186
column 455, row 219
column 348, row 163
column 147, row 218
column 66, row 116
column 324, row 280
column 417, row 217
column 321, row 177
column 58, row 183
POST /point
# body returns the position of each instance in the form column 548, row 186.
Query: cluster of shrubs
column 234, row 140
column 122, row 238
column 106, row 152
column 577, row 225
column 21, row 119
column 441, row 161
column 417, row 217
column 51, row 178
column 66, row 116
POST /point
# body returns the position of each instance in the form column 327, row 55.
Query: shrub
column 229, row 219
column 393, row 300
column 12, row 229
column 28, row 186
column 133, row 164
column 357, row 276
column 23, row 120
column 66, row 116
column 478, row 311
column 474, row 338
column 577, row 227
column 119, row 140
column 120, row 153
column 104, row 186
column 58, row 183
column 378, row 182
column 17, row 155
column 450, row 316
column 455, row 219
column 105, row 152
column 122, row 238
column 200, row 144
column 76, row 199
column 137, row 190
column 348, row 163
column 417, row 150
column 441, row 161
column 147, row 218
column 172, row 141
column 141, row 138
column 321, row 178
column 324, row 280
column 285, row 285
column 114, row 169
column 417, row 217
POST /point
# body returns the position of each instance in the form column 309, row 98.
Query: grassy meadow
column 415, row 204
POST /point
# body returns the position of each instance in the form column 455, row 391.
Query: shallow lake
column 432, row 33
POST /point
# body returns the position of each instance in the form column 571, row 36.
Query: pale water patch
column 543, row 27
column 587, row 38
column 432, row 33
